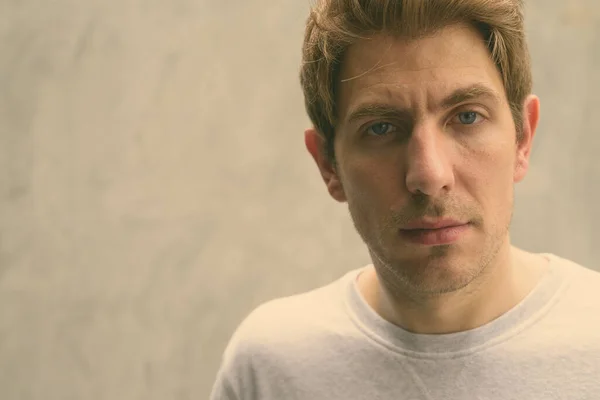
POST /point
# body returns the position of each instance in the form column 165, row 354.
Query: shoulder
column 282, row 334
column 288, row 321
column 577, row 273
column 582, row 283
column 292, row 325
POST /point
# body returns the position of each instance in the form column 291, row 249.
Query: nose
column 429, row 166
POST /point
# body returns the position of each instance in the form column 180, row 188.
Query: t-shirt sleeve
column 222, row 389
column 236, row 376
column 234, row 372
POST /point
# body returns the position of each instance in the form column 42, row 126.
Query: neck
column 506, row 282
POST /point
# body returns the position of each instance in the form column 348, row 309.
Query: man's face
column 426, row 135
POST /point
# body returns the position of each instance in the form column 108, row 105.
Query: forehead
column 414, row 72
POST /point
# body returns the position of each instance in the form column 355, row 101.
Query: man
column 423, row 122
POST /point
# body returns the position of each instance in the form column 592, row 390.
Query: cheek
column 371, row 174
column 490, row 180
column 373, row 180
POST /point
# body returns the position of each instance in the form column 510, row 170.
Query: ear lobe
column 521, row 168
column 531, row 116
column 315, row 144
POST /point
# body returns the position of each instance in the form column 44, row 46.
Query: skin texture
column 431, row 155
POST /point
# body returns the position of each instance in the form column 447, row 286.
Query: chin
column 431, row 279
column 430, row 270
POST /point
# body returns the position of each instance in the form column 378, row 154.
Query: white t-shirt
column 329, row 344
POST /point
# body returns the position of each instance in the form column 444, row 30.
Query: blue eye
column 380, row 128
column 468, row 117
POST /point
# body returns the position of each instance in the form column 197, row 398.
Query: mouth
column 435, row 233
column 433, row 224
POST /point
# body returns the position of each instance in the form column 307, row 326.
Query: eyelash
column 478, row 114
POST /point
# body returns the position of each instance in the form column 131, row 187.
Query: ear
column 315, row 144
column 531, row 116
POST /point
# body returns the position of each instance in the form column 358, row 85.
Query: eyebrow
column 461, row 95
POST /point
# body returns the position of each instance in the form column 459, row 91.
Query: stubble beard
column 432, row 274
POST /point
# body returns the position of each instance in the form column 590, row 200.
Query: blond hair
column 334, row 25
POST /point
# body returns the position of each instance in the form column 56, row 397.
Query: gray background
column 154, row 185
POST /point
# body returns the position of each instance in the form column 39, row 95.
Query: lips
column 432, row 224
column 432, row 233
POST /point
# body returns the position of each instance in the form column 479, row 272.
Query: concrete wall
column 154, row 186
